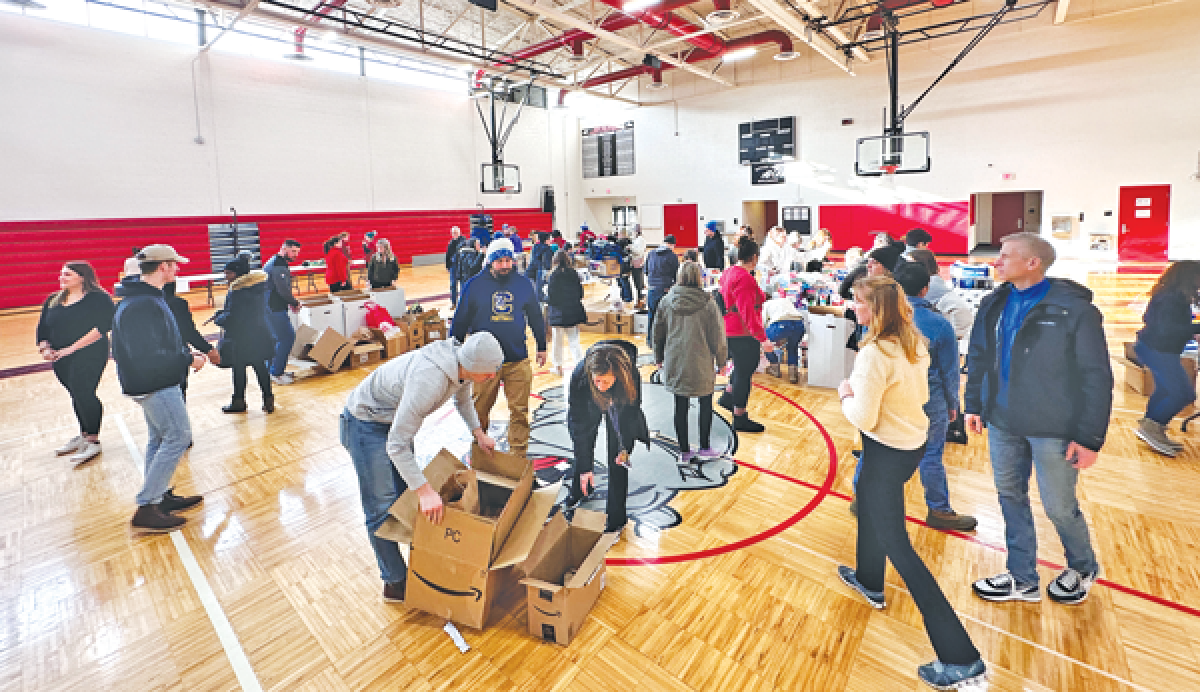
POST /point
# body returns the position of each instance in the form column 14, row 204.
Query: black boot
column 269, row 403
column 177, row 503
column 726, row 400
column 152, row 518
column 743, row 423
column 235, row 406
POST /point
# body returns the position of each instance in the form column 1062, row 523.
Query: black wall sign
column 766, row 174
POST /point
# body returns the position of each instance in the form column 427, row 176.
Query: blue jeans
column 379, row 486
column 285, row 336
column 169, row 433
column 1172, row 389
column 932, row 469
column 791, row 332
column 1013, row 460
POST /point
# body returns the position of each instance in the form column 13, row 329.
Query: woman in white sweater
column 884, row 398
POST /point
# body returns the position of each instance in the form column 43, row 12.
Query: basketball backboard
column 908, row 153
column 500, row 179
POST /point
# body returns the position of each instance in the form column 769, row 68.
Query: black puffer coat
column 584, row 417
column 564, row 301
column 244, row 319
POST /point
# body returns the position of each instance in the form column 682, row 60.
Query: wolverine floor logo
column 656, row 475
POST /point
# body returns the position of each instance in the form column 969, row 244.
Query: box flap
column 305, row 336
column 404, row 510
column 589, row 519
column 496, row 479
column 552, row 531
column 331, row 350
column 526, row 530
column 367, row 348
column 594, row 561
column 541, row 585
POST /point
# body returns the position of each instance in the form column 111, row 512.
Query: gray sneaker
column 1154, row 434
column 89, row 451
column 73, row 445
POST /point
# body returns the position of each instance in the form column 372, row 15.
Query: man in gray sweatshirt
column 382, row 417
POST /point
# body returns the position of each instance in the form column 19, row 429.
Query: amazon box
column 597, row 318
column 365, row 354
column 394, row 345
column 565, row 574
column 332, row 350
column 620, row 322
column 435, row 330
column 414, row 327
column 306, row 338
column 457, row 567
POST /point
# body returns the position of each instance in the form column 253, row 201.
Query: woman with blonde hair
column 382, row 267
column 884, row 398
column 689, row 345
column 72, row 333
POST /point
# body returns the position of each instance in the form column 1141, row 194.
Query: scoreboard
column 767, row 141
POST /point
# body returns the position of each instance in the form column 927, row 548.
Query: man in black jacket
column 714, row 247
column 452, row 248
column 1040, row 378
column 279, row 301
column 151, row 362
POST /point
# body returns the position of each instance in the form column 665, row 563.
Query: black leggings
column 882, row 536
column 744, row 350
column 80, row 374
column 260, row 371
column 639, row 281
column 682, row 404
column 618, row 483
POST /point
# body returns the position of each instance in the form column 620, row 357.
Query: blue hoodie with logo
column 501, row 307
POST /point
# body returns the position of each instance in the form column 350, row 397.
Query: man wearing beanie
column 498, row 300
column 382, row 417
column 714, row 247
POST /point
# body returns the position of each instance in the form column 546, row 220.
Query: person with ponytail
column 884, row 398
column 337, row 265
column 747, row 339
column 72, row 333
column 606, row 388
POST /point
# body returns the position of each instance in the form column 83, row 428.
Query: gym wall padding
column 36, row 250
column 853, row 224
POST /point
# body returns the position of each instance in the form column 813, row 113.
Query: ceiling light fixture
column 25, row 4
column 740, row 54
column 657, row 85
column 638, row 5
column 787, row 55
column 718, row 17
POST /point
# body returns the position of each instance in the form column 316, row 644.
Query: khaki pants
column 518, row 381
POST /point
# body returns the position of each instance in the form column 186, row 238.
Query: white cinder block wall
column 1076, row 110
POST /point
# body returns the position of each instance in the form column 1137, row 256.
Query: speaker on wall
column 548, row 199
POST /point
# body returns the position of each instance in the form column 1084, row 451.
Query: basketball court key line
column 212, row 607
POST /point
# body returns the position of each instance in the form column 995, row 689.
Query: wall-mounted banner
column 766, row 174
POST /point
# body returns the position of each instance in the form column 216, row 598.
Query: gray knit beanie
column 481, row 354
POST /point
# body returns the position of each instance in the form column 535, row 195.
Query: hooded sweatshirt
column 689, row 340
column 501, row 306
column 146, row 342
column 404, row 391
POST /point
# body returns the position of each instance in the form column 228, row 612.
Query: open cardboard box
column 457, row 567
column 393, row 346
column 365, row 354
column 332, row 350
column 620, row 322
column 414, row 326
column 565, row 574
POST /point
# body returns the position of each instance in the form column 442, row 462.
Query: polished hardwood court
column 742, row 595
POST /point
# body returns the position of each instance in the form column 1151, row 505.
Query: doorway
column 683, row 222
column 760, row 215
column 996, row 215
column 1145, row 220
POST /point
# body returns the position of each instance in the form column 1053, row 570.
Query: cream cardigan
column 889, row 393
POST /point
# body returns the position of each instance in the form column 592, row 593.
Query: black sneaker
column 393, row 592
column 152, row 519
column 854, row 506
column 176, row 503
column 951, row 676
column 874, row 598
column 1004, row 587
column 1071, row 587
column 725, row 401
column 743, row 423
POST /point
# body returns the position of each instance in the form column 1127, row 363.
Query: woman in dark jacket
column 1169, row 327
column 187, row 330
column 72, row 333
column 606, row 388
column 564, row 310
column 382, row 267
column 247, row 340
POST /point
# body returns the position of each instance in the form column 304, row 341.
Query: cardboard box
column 620, row 323
column 393, row 346
column 1141, row 380
column 597, row 322
column 366, row 354
column 459, row 566
column 306, row 336
column 415, row 329
column 435, row 330
column 390, row 298
column 354, row 312
column 565, row 574
column 332, row 350
column 321, row 313
column 611, row 267
column 641, row 323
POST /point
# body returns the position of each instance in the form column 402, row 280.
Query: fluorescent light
column 636, row 5
column 740, row 54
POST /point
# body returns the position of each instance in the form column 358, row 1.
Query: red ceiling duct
column 322, row 10
column 773, row 36
column 616, row 22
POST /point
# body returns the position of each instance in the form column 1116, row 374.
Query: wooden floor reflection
column 85, row 605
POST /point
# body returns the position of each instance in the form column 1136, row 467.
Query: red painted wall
column 853, row 224
column 34, row 251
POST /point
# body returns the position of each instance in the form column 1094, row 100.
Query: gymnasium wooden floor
column 283, row 568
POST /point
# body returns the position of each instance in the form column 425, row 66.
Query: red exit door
column 683, row 222
column 1008, row 215
column 1145, row 220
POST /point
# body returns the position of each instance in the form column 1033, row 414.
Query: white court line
column 1023, row 640
column 228, row 638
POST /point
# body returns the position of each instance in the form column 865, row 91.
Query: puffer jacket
column 244, row 319
column 1060, row 381
column 564, row 299
column 146, row 343
column 689, row 341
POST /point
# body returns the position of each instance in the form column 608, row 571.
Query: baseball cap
column 160, row 253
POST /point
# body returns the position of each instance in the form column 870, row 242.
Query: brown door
column 1008, row 214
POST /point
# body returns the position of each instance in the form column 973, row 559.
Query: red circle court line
column 807, row 509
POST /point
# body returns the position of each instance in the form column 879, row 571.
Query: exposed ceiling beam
column 792, row 23
column 237, row 18
column 572, row 21
column 662, row 45
column 815, row 13
column 1060, row 12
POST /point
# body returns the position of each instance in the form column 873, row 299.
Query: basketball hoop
column 889, row 170
column 505, row 189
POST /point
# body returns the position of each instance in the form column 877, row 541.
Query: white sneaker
column 284, row 379
column 87, row 452
column 73, row 445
